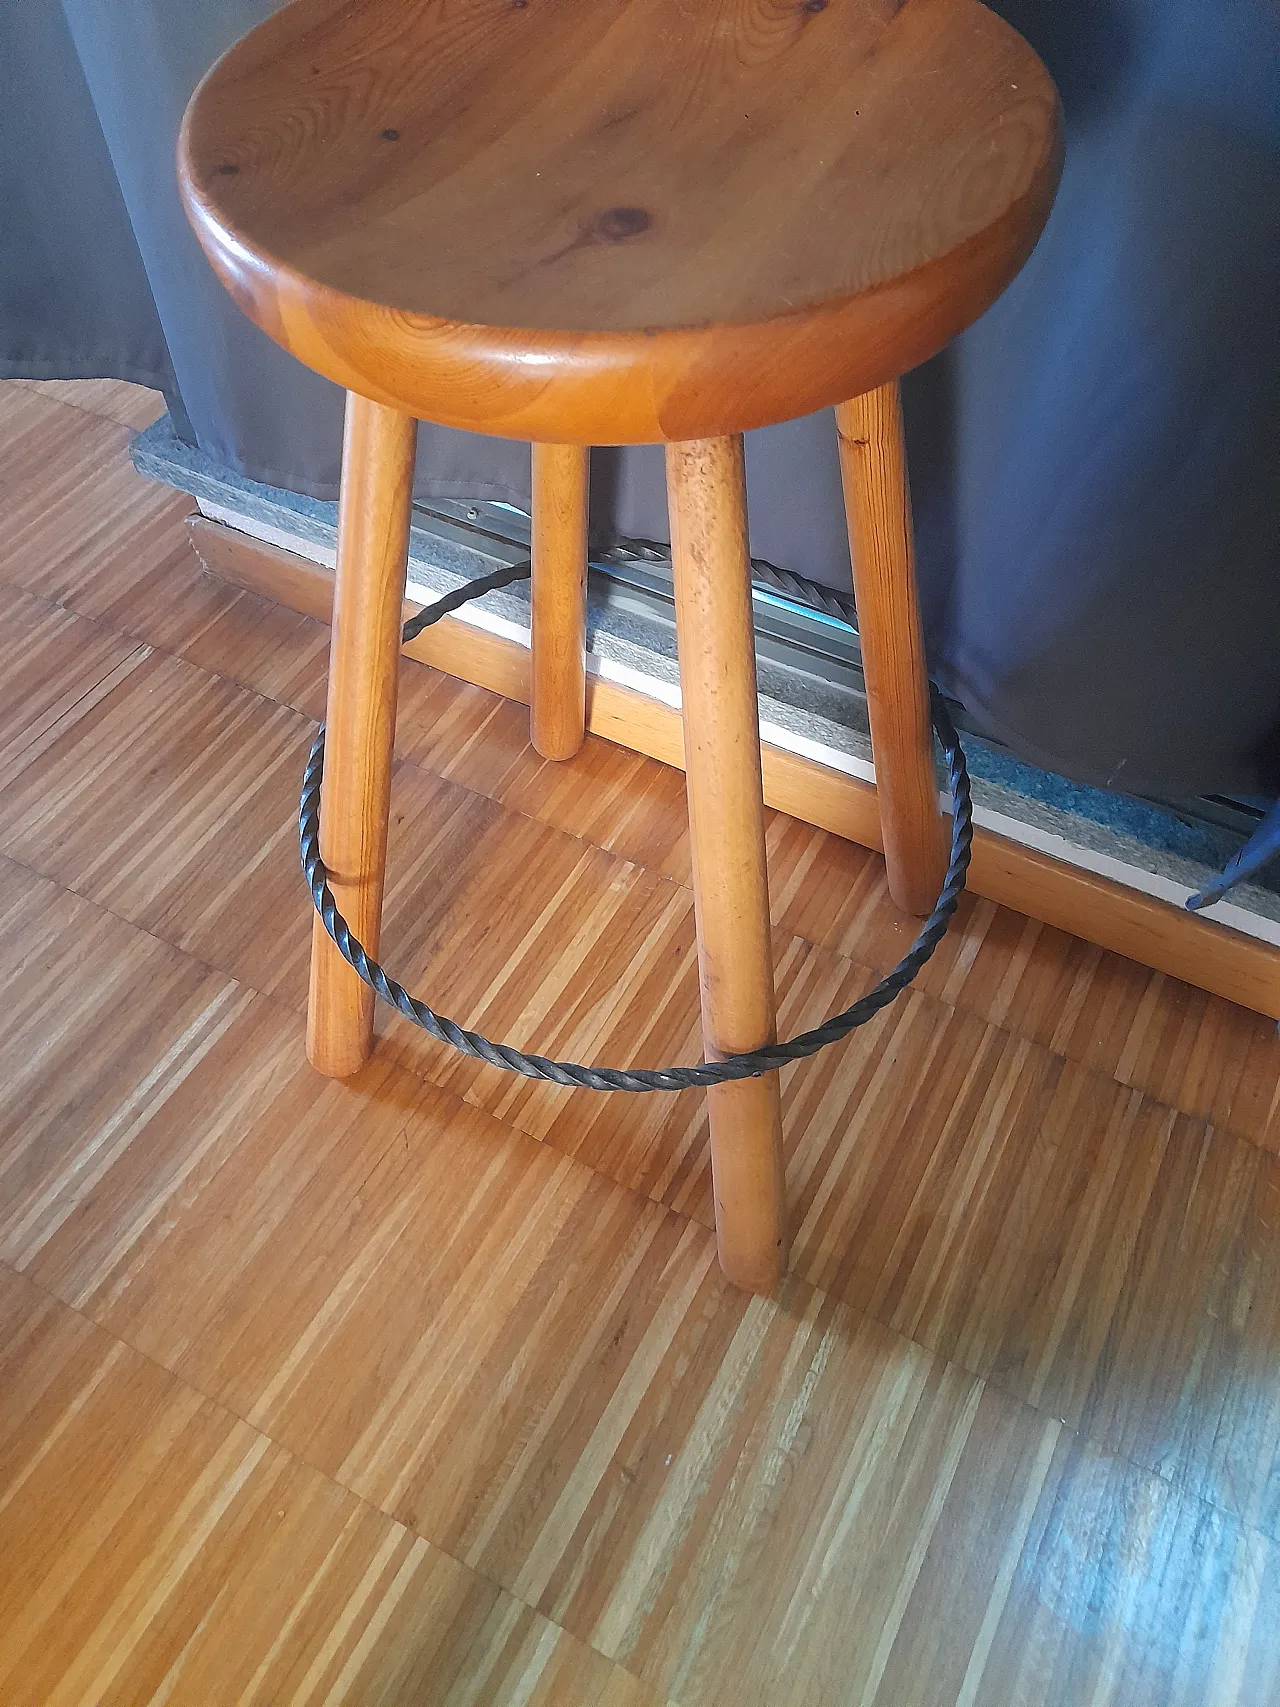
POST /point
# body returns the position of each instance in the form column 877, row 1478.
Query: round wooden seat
column 620, row 221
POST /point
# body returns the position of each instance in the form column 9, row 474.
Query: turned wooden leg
column 878, row 506
column 558, row 681
column 364, row 657
column 707, row 496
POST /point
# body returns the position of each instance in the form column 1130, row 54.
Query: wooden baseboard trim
column 1208, row 955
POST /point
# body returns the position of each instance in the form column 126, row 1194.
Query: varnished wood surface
column 877, row 497
column 606, row 223
column 424, row 1388
column 711, row 566
column 1112, row 918
column 558, row 600
column 131, row 405
column 360, row 720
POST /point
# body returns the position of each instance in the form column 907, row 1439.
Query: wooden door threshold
column 1211, row 956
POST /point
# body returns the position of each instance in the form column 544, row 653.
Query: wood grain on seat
column 620, row 220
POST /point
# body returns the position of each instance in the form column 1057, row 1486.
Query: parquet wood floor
column 426, row 1388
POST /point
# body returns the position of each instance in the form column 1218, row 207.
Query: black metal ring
column 748, row 1065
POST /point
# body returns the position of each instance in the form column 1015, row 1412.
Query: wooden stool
column 619, row 222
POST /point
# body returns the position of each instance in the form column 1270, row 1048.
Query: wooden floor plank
column 1194, row 1051
column 131, row 405
column 171, row 1552
column 102, row 1025
column 1124, row 1592
column 167, row 794
column 53, row 668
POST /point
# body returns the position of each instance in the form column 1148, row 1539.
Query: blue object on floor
column 1263, row 845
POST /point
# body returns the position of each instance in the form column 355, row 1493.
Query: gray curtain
column 1095, row 465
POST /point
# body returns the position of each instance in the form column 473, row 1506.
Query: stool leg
column 707, row 495
column 558, row 681
column 878, row 507
column 364, row 657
